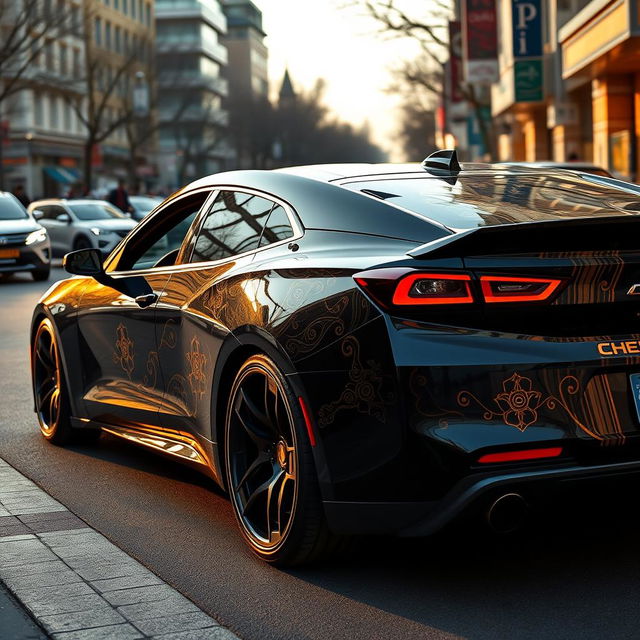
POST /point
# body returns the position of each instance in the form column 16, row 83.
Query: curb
column 77, row 584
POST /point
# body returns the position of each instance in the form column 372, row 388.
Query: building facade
column 42, row 135
column 190, row 58
column 248, row 100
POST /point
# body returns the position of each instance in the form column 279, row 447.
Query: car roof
column 65, row 201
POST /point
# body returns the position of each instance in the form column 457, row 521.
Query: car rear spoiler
column 605, row 233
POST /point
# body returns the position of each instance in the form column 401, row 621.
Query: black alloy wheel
column 41, row 274
column 270, row 472
column 50, row 391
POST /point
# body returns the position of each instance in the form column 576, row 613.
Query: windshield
column 95, row 211
column 11, row 209
column 144, row 204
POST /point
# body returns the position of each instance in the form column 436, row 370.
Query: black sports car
column 361, row 348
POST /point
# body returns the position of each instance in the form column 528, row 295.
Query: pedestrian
column 120, row 198
column 21, row 194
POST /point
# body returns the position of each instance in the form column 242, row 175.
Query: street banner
column 455, row 61
column 480, row 41
column 528, row 78
column 526, row 18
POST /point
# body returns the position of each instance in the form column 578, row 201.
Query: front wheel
column 41, row 274
column 50, row 390
column 270, row 470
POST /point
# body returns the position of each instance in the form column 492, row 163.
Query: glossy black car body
column 415, row 411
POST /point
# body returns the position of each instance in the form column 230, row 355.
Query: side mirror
column 64, row 217
column 37, row 214
column 85, row 262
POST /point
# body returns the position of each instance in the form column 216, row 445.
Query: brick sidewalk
column 77, row 584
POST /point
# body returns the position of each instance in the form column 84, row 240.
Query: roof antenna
column 443, row 161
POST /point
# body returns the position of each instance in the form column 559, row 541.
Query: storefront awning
column 62, row 174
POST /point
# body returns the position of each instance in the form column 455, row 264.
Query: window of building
column 77, row 68
column 148, row 15
column 126, row 42
column 75, row 20
column 54, row 115
column 68, row 124
column 140, row 11
column 107, row 35
column 116, row 5
column 133, row 9
column 48, row 55
column 232, row 226
column 98, row 31
column 38, row 111
column 64, row 59
column 117, row 36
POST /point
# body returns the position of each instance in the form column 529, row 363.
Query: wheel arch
column 241, row 344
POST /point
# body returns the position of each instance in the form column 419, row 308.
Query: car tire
column 41, row 274
column 82, row 242
column 50, row 391
column 270, row 470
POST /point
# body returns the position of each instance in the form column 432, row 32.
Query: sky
column 316, row 38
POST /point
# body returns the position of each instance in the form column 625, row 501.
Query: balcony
column 192, row 45
column 193, row 80
column 210, row 13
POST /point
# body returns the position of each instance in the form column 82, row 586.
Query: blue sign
column 527, row 28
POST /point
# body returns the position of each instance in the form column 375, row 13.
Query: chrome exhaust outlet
column 507, row 513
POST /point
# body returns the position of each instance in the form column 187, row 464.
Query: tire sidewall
column 306, row 482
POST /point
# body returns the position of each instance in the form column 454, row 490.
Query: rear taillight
column 402, row 287
column 520, row 455
column 508, row 289
column 433, row 288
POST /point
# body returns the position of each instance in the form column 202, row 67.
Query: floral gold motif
column 518, row 404
column 124, row 353
column 197, row 361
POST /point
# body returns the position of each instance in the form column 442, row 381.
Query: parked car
column 143, row 205
column 82, row 224
column 360, row 348
column 24, row 244
column 582, row 167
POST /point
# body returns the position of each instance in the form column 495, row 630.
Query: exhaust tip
column 507, row 513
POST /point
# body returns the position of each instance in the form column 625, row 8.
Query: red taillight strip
column 401, row 294
column 489, row 296
column 514, row 456
column 307, row 421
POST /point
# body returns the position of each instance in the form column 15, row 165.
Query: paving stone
column 23, row 552
column 111, row 632
column 48, row 516
column 108, row 570
column 138, row 594
column 210, row 633
column 13, row 530
column 3, row 512
column 37, row 568
column 42, row 593
column 16, row 537
column 174, row 604
column 127, row 582
column 44, row 580
column 56, row 525
column 80, row 620
column 173, row 624
column 55, row 605
column 17, row 511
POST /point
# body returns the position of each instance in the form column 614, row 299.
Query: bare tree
column 26, row 29
column 430, row 31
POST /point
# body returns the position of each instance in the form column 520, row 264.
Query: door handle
column 146, row 300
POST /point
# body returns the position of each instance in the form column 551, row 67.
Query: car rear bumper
column 410, row 519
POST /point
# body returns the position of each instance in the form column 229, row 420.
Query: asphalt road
column 573, row 574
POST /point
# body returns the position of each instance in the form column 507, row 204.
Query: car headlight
column 40, row 235
column 96, row 231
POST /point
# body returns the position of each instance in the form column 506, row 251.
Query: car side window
column 232, row 226
column 278, row 227
column 158, row 242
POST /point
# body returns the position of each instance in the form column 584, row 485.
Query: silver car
column 81, row 224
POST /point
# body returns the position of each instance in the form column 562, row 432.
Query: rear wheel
column 270, row 471
column 50, row 390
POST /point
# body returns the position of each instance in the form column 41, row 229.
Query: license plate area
column 634, row 380
column 9, row 253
